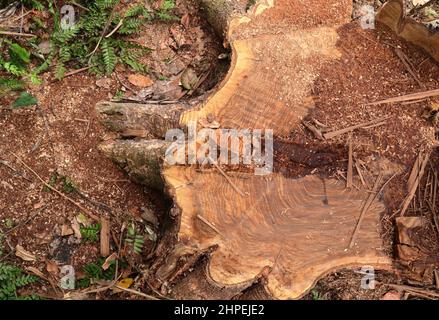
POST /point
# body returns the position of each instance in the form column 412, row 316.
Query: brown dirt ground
column 63, row 133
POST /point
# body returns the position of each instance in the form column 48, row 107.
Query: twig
column 209, row 224
column 414, row 180
column 422, row 6
column 408, row 97
column 349, row 177
column 405, row 60
column 360, row 174
column 317, row 133
column 227, row 178
column 436, row 223
column 26, row 221
column 410, row 288
column 22, row 16
column 333, row 134
column 79, row 6
column 366, row 206
column 6, row 164
column 71, row 73
column 110, row 19
column 141, row 294
column 115, row 29
column 17, row 34
column 387, row 182
column 93, row 216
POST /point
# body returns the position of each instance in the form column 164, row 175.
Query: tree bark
column 140, row 120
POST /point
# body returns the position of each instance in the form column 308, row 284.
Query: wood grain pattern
column 299, row 227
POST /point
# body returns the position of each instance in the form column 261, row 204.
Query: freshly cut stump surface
column 291, row 59
column 300, row 228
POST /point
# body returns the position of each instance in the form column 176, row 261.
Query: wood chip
column 140, row 80
column 317, row 133
column 414, row 180
column 105, row 237
column 108, row 261
column 23, row 254
column 66, row 231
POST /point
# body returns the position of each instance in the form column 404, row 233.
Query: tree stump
column 289, row 231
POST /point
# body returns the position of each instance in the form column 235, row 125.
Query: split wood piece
column 414, row 180
column 140, row 120
column 336, row 133
column 350, row 174
column 142, row 159
column 105, row 237
column 405, row 60
column 367, row 204
column 275, row 64
column 409, row 97
column 312, row 219
column 413, row 290
column 393, row 15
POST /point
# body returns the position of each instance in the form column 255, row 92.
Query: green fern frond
column 130, row 26
column 60, row 70
column 134, row 240
column 65, row 35
column 12, row 278
column 91, row 233
column 14, row 69
column 137, row 10
column 109, row 57
column 11, row 84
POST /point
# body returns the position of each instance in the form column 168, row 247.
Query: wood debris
column 336, row 133
column 23, row 254
column 349, row 178
column 414, row 180
column 366, row 206
column 408, row 97
column 105, row 237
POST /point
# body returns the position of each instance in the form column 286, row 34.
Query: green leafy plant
column 25, row 100
column 134, row 240
column 94, row 271
column 7, row 85
column 316, row 295
column 11, row 279
column 165, row 11
column 68, row 185
column 90, row 233
column 16, row 63
column 9, row 223
column 95, row 40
